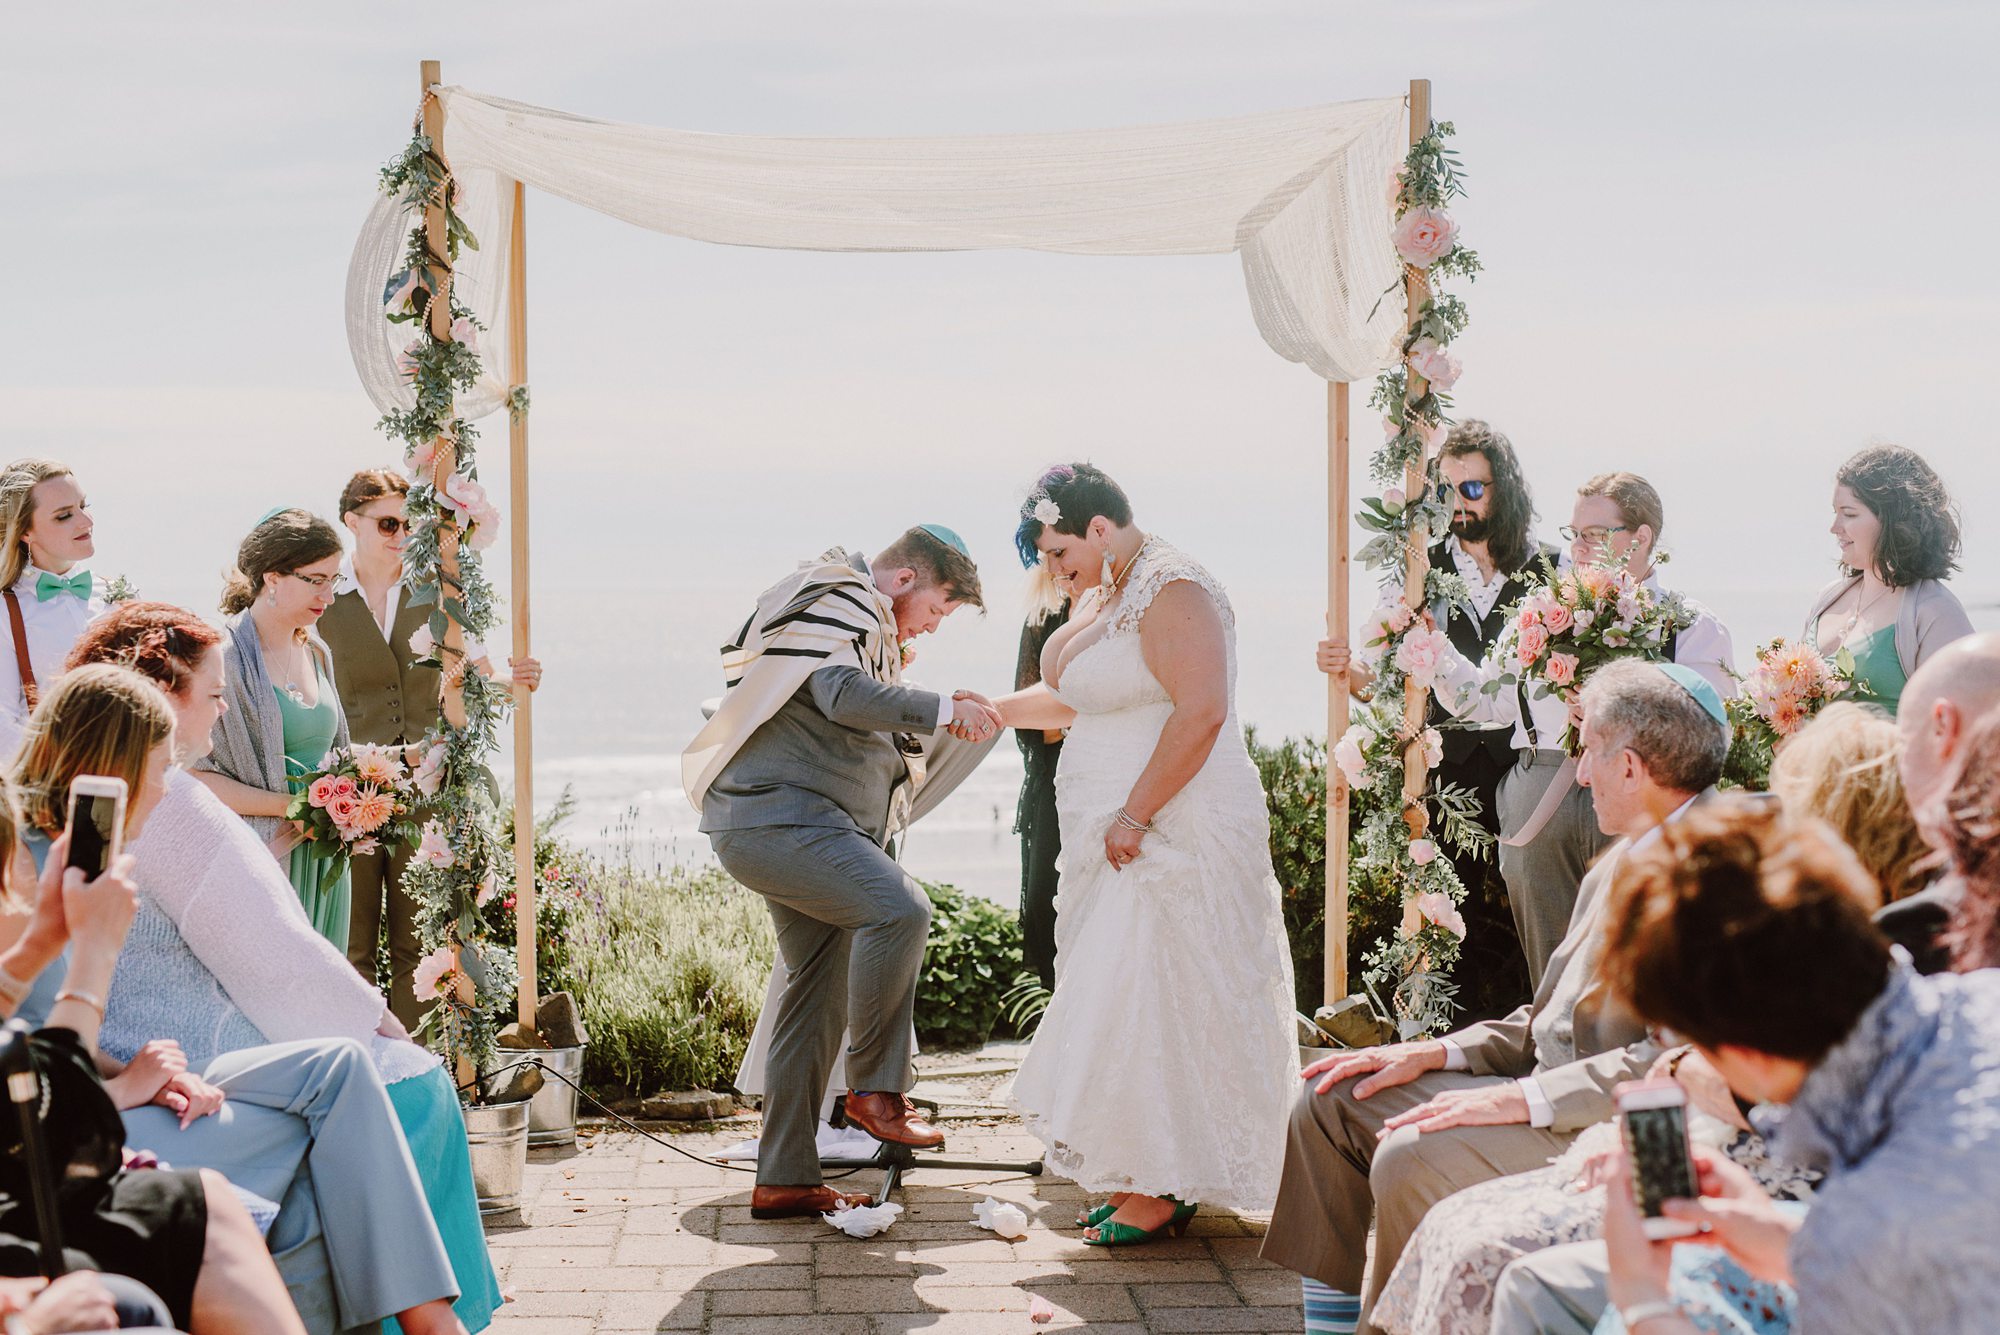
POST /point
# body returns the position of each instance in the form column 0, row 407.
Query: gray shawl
column 1930, row 618
column 250, row 738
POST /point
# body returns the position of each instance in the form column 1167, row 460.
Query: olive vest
column 388, row 702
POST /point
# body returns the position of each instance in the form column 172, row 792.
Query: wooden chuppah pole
column 1339, row 504
column 1416, row 553
column 524, row 739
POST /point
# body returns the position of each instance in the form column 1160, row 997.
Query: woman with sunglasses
column 388, row 702
column 284, row 714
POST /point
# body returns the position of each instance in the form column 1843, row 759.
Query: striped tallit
column 827, row 613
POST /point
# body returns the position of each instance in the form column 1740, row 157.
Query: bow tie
column 49, row 586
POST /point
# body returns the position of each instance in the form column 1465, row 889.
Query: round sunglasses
column 390, row 525
column 1472, row 489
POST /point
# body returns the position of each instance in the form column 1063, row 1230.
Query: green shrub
column 671, row 972
column 566, row 889
column 974, row 955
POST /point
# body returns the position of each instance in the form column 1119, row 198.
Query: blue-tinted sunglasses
column 1471, row 489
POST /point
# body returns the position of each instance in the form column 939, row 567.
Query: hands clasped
column 973, row 717
column 1500, row 1104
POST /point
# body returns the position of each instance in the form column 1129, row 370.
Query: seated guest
column 1966, row 825
column 1889, row 609
column 1429, row 1118
column 284, row 714
column 1842, row 768
column 222, row 959
column 49, row 598
column 183, row 1235
column 1887, row 1078
column 304, row 1123
column 83, row 1300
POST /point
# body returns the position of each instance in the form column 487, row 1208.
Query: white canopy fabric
column 1301, row 195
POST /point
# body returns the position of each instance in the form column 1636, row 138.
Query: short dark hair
column 1742, row 926
column 371, row 484
column 1082, row 492
column 937, row 564
column 1510, row 518
column 279, row 545
column 1920, row 537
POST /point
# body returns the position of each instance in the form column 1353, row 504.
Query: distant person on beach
column 389, row 700
column 50, row 597
column 1035, row 817
column 1889, row 609
column 806, row 771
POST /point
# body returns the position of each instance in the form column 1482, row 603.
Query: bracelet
column 1639, row 1312
column 1128, row 821
column 14, row 990
column 70, row 994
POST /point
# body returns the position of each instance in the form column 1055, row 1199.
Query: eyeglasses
column 317, row 581
column 1596, row 537
column 1472, row 489
column 390, row 525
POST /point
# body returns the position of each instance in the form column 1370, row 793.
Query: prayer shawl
column 250, row 738
column 827, row 613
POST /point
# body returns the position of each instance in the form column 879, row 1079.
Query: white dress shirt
column 53, row 629
column 1480, row 591
column 1540, row 1111
column 1704, row 646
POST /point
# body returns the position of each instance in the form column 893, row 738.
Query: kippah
column 948, row 538
column 272, row 513
column 1701, row 688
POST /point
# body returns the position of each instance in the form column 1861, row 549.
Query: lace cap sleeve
column 1161, row 564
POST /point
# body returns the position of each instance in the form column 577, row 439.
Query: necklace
column 1861, row 607
column 1118, row 577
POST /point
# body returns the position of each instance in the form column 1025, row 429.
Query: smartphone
column 96, row 822
column 1652, row 1116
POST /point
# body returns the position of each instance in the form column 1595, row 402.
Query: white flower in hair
column 1046, row 511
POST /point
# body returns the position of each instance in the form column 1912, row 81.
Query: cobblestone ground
column 622, row 1235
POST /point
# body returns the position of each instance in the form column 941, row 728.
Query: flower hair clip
column 1046, row 511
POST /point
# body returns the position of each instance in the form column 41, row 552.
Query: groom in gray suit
column 800, row 810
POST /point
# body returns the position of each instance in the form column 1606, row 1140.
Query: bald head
column 1940, row 703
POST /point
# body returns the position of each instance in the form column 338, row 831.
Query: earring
column 1105, row 572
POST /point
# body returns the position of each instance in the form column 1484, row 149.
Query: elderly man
column 1425, row 1119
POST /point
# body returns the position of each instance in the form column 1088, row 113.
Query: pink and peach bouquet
column 1791, row 682
column 1578, row 619
column 359, row 803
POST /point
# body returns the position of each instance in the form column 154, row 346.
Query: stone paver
column 622, row 1236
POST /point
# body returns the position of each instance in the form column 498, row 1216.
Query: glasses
column 317, row 581
column 1596, row 537
column 1472, row 489
column 390, row 525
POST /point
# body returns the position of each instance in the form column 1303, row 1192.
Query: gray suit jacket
column 828, row 757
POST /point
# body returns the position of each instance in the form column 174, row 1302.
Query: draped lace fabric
column 1300, row 195
column 1166, row 1061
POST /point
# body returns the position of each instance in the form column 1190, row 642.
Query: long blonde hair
column 17, row 510
column 97, row 719
column 1841, row 767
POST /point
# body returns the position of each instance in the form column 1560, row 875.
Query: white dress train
column 1167, row 1061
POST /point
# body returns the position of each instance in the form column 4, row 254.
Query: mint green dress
column 321, row 878
column 1878, row 672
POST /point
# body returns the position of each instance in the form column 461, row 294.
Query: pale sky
column 1726, row 245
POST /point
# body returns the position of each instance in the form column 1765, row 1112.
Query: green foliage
column 566, row 889
column 1025, row 1003
column 974, row 954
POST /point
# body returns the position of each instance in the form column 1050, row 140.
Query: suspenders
column 29, row 691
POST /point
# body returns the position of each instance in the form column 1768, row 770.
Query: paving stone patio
column 622, row 1235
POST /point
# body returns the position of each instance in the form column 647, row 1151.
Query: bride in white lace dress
column 1165, row 1068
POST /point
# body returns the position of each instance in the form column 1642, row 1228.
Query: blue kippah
column 1701, row 688
column 272, row 513
column 948, row 538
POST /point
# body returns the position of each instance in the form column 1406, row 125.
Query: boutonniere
column 119, row 589
column 908, row 650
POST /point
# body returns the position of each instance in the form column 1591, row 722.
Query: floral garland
column 1392, row 843
column 457, row 866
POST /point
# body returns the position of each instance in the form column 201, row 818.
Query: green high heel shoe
column 1092, row 1218
column 1113, row 1234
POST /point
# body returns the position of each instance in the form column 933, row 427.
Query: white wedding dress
column 1167, row 1061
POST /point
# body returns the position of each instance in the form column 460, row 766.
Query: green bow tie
column 48, row 586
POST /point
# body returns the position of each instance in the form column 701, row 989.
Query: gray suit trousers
column 1338, row 1175
column 852, row 926
column 1558, row 1289
column 1543, row 875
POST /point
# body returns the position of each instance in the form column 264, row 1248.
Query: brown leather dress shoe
column 892, row 1118
column 798, row 1202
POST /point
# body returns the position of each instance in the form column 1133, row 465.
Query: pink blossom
column 487, row 889
column 422, row 643
column 466, row 332
column 417, row 462
column 1423, row 236
column 372, row 810
column 1395, row 189
column 398, row 300
column 377, row 765
column 1433, row 748
column 485, row 528
column 1436, row 907
column 1421, row 654
column 1391, row 429
column 1433, row 434
column 1386, row 622
column 435, row 973
column 341, row 809
column 1423, row 852
column 429, row 775
column 461, row 495
column 406, row 360
column 320, row 791
column 1561, row 669
column 1534, row 639
column 1558, row 619
column 432, row 848
column 1431, row 361
column 344, row 786
column 1348, row 755
column 363, row 847
column 1394, row 499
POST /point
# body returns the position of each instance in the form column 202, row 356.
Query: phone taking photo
column 96, row 823
column 1652, row 1118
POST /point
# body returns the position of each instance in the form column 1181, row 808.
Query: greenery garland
column 458, row 864
column 1415, row 964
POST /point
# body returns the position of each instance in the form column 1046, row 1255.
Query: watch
column 1639, row 1312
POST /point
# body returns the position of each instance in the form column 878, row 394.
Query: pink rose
column 1433, row 363
column 320, row 791
column 1421, row 654
column 1433, row 434
column 487, row 889
column 466, row 332
column 1534, row 639
column 435, row 973
column 1435, row 907
column 485, row 528
column 420, row 458
column 1561, row 669
column 432, row 848
column 461, row 495
column 1349, row 757
column 1423, row 852
column 1424, row 236
column 1558, row 619
column 1433, row 748
column 428, row 777
column 342, row 808
column 345, row 786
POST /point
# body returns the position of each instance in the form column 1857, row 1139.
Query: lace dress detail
column 1166, row 1061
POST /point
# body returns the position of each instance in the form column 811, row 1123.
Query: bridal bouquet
column 1791, row 683
column 1581, row 618
column 360, row 801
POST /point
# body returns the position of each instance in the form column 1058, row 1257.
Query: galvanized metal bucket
column 552, row 1111
column 497, row 1135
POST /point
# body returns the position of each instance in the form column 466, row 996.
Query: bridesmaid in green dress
column 1889, row 609
column 283, row 714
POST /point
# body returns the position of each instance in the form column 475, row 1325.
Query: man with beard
column 1489, row 546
